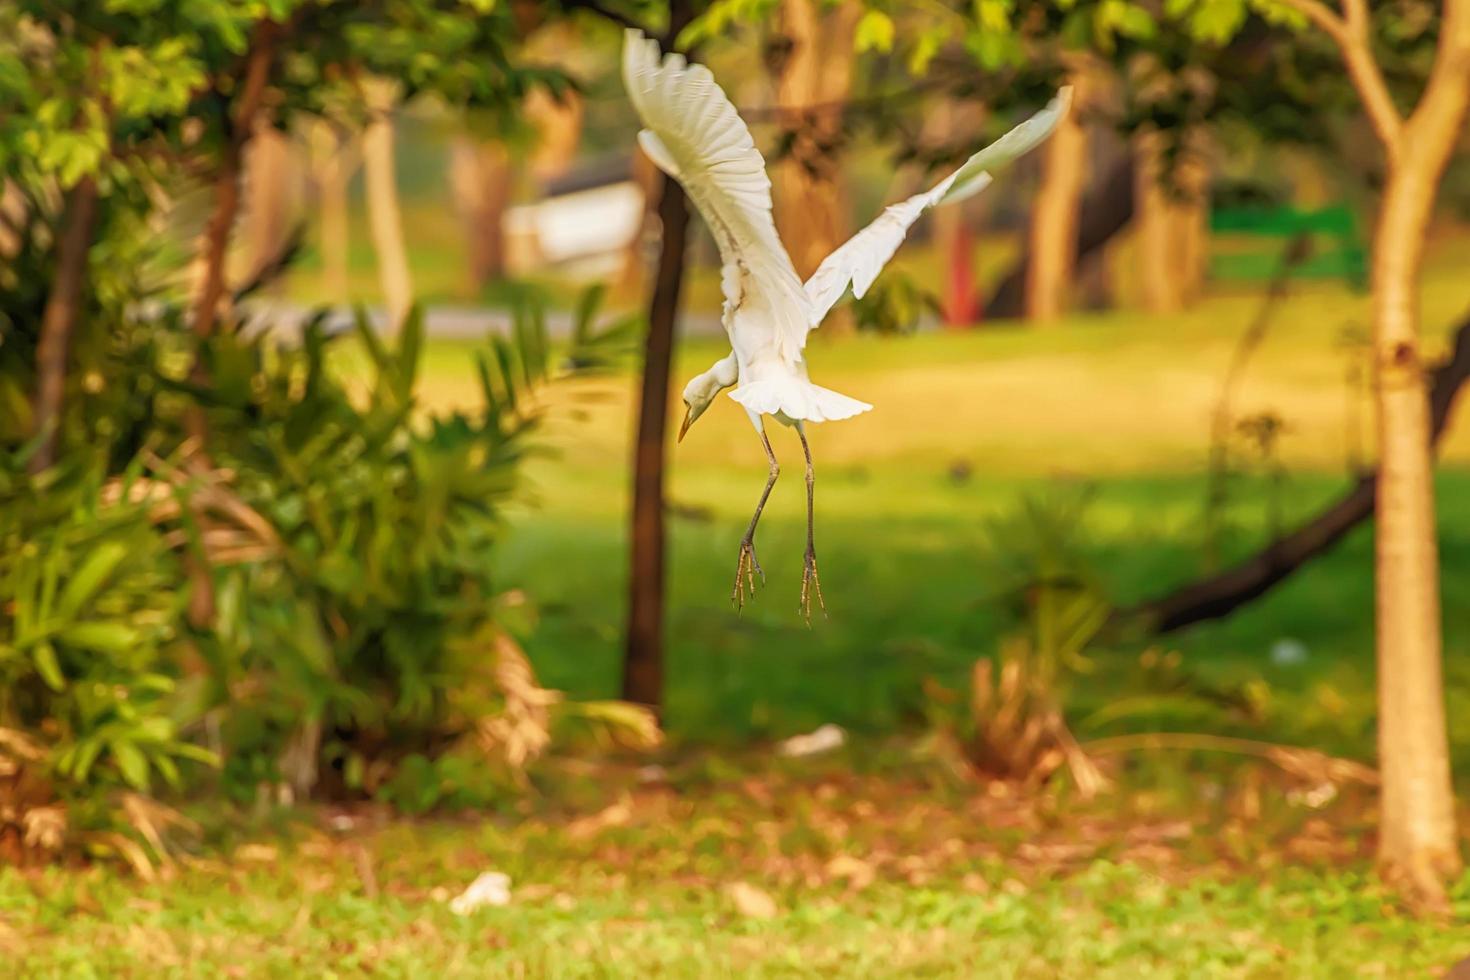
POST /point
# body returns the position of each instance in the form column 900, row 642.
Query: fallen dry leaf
column 256, row 853
column 491, row 888
column 616, row 815
column 751, row 902
column 858, row 873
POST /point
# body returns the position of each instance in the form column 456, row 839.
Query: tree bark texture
column 58, row 320
column 480, row 177
column 1052, row 245
column 1172, row 221
column 1106, row 211
column 384, row 219
column 643, row 658
column 813, row 77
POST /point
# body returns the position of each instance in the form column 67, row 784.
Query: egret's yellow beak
column 688, row 421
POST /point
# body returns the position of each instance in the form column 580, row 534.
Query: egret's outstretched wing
column 859, row 260
column 695, row 136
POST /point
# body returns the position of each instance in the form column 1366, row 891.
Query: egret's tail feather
column 799, row 400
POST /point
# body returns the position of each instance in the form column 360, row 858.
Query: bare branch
column 1322, row 17
column 1352, row 38
column 609, row 13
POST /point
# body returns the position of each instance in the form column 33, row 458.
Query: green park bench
column 1337, row 250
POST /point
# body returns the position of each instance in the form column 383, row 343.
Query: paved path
column 451, row 322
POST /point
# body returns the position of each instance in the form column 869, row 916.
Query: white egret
column 694, row 135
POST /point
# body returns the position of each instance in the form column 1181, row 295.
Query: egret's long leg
column 747, row 567
column 809, row 580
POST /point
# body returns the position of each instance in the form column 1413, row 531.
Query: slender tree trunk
column 213, row 254
column 1052, row 251
column 331, row 171
column 480, row 178
column 1417, row 835
column 1418, row 838
column 60, row 316
column 1106, row 211
column 954, row 226
column 814, row 75
column 267, row 171
column 13, row 215
column 649, row 180
column 1158, row 257
column 1172, row 220
column 961, row 306
column 215, row 247
column 558, row 132
column 1192, row 215
column 643, row 660
column 382, row 204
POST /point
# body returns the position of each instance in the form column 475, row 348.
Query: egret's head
column 702, row 389
column 698, row 394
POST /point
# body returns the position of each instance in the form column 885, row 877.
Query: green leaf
column 89, row 578
column 132, row 764
column 48, row 666
column 102, row 637
column 874, row 32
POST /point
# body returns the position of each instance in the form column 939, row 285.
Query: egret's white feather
column 695, row 136
column 858, row 261
column 797, row 400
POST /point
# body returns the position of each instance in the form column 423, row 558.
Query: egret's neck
column 724, row 373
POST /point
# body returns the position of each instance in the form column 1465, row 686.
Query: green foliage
column 895, row 304
column 363, row 628
column 90, row 630
column 1043, row 562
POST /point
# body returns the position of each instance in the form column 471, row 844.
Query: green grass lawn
column 876, row 862
column 886, row 858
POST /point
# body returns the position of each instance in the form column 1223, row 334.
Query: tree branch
column 1353, row 40
column 608, row 13
column 1222, row 593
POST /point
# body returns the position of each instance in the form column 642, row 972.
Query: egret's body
column 695, row 136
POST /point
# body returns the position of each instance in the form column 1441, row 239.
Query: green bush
column 362, row 639
column 90, row 648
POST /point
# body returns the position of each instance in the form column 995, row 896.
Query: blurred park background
column 325, row 347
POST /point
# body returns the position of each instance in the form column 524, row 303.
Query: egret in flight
column 693, row 134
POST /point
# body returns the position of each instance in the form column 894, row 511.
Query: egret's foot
column 747, row 567
column 810, row 583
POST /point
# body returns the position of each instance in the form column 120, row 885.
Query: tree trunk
column 1052, row 249
column 1224, row 592
column 649, row 179
column 60, row 317
column 961, row 306
column 13, row 215
column 1106, row 211
column 1417, row 836
column 1417, row 831
column 382, row 204
column 480, row 177
column 213, row 254
column 950, row 122
column 813, row 77
column 267, row 201
column 215, row 247
column 1157, row 261
column 558, row 132
column 1172, row 220
column 1191, row 216
column 329, row 161
column 643, row 660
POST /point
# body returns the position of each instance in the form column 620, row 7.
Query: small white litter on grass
column 824, row 739
column 1287, row 652
column 491, row 888
column 751, row 902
